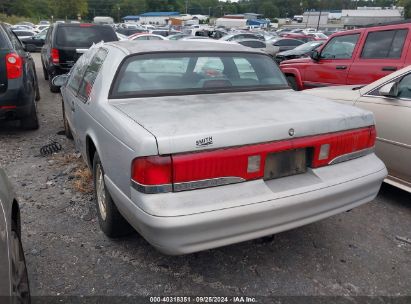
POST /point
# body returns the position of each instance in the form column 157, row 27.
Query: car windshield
column 195, row 73
column 308, row 46
column 84, row 36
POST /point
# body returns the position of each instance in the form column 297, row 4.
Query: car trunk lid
column 200, row 122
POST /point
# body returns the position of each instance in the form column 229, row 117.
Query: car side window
column 340, row 47
column 91, row 74
column 254, row 44
column 404, row 87
column 14, row 40
column 78, row 70
column 384, row 44
column 295, row 42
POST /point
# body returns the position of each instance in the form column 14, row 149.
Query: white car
column 199, row 145
column 141, row 37
column 22, row 34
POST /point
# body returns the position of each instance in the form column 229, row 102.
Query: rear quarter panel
column 117, row 138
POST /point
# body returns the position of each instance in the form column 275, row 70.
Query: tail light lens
column 55, row 56
column 14, row 66
column 152, row 170
column 189, row 171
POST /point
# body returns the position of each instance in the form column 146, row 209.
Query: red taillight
column 55, row 56
column 14, row 66
column 152, row 170
column 343, row 143
column 223, row 166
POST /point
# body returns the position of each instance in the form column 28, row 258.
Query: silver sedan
column 198, row 145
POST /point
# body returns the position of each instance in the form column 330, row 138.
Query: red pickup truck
column 353, row 57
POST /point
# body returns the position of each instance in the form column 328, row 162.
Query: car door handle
column 389, row 68
column 341, row 67
column 73, row 109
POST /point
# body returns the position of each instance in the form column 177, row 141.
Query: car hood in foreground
column 209, row 121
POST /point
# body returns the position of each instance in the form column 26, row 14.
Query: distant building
column 314, row 19
column 155, row 18
column 366, row 16
column 243, row 20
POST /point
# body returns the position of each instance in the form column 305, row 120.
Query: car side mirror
column 60, row 80
column 315, row 55
column 30, row 48
column 389, row 90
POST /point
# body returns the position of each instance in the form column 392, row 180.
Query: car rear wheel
column 20, row 280
column 292, row 82
column 111, row 221
column 67, row 130
column 31, row 122
column 53, row 88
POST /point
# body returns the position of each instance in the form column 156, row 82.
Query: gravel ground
column 355, row 253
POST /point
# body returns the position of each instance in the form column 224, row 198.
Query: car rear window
column 84, row 36
column 3, row 41
column 195, row 73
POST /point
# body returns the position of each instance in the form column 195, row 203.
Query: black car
column 303, row 50
column 286, row 44
column 19, row 88
column 65, row 43
column 36, row 41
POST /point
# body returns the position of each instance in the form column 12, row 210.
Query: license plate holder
column 287, row 163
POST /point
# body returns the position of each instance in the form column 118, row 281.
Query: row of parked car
column 269, row 42
column 198, row 145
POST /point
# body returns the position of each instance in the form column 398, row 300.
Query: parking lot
column 355, row 253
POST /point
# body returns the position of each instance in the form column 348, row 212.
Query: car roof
column 153, row 46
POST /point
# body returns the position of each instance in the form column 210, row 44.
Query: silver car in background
column 199, row 145
column 14, row 284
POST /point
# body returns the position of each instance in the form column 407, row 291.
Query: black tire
column 19, row 279
column 67, row 130
column 112, row 223
column 53, row 88
column 30, row 122
column 45, row 73
column 36, row 85
column 292, row 82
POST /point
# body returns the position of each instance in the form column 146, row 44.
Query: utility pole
column 187, row 7
column 319, row 18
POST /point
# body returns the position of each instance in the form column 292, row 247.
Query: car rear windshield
column 84, row 36
column 3, row 41
column 164, row 74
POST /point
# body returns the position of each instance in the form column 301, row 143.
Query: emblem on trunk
column 204, row 142
column 291, row 132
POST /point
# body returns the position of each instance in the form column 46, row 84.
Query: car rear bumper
column 287, row 209
column 15, row 103
column 56, row 70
